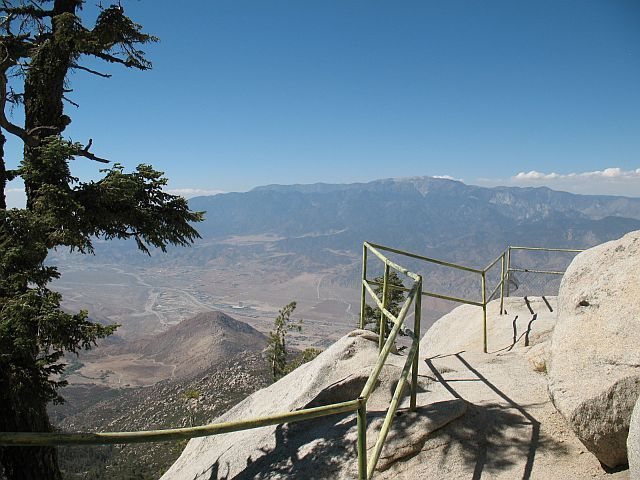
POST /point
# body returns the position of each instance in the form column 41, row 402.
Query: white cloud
column 447, row 177
column 613, row 172
column 192, row 192
column 533, row 175
column 610, row 181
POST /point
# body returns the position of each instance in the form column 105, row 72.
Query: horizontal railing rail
column 506, row 269
column 30, row 439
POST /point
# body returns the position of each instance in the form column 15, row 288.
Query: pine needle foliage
column 395, row 300
column 277, row 354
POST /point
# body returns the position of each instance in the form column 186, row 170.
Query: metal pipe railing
column 503, row 284
column 547, row 249
column 528, row 270
column 358, row 405
column 30, row 439
column 426, row 259
column 366, row 466
column 424, row 294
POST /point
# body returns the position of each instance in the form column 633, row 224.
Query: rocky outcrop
column 594, row 374
column 478, row 415
column 633, row 443
column 323, row 447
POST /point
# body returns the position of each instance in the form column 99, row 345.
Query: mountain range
column 432, row 216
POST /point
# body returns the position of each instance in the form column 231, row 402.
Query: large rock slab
column 323, row 447
column 633, row 444
column 594, row 372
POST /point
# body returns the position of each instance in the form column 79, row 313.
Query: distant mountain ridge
column 317, row 226
column 594, row 206
column 424, row 214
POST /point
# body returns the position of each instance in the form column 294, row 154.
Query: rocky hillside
column 182, row 351
column 479, row 415
column 208, row 363
column 168, row 404
column 195, row 344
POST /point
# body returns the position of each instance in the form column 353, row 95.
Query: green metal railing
column 366, row 466
column 358, row 405
column 506, row 269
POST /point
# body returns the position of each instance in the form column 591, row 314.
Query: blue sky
column 246, row 93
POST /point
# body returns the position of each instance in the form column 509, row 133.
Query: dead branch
column 87, row 154
column 70, row 101
column 94, row 72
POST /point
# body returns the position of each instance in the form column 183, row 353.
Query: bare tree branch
column 35, row 130
column 70, row 101
column 87, row 154
column 94, row 72
column 5, row 123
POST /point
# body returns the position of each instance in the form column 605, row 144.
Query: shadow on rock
column 492, row 436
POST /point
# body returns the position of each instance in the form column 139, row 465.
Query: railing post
column 364, row 279
column 502, row 282
column 383, row 318
column 417, row 317
column 508, row 270
column 484, row 311
column 362, row 439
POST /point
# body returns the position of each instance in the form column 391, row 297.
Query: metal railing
column 506, row 269
column 366, row 466
column 358, row 405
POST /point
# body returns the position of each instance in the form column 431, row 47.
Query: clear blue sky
column 246, row 93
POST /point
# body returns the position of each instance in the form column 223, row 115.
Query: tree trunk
column 26, row 463
column 3, row 174
column 44, row 89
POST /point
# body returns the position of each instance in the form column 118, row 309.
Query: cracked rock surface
column 594, row 373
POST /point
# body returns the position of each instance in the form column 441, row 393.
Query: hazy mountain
column 314, row 227
column 424, row 214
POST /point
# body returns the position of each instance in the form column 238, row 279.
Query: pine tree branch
column 66, row 99
column 112, row 58
column 27, row 10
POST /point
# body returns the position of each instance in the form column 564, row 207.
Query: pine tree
column 41, row 42
column 276, row 343
column 395, row 300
